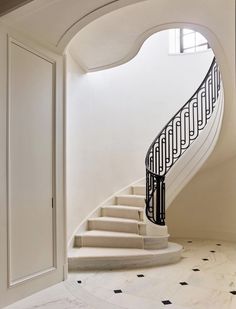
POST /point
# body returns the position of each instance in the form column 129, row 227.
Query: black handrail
column 175, row 138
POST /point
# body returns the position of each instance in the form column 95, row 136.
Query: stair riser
column 113, row 226
column 121, row 213
column 108, row 242
column 142, row 229
column 83, row 264
column 125, row 262
column 155, row 243
column 139, row 190
column 124, row 227
column 130, row 201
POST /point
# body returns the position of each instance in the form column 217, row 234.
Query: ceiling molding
column 83, row 21
column 83, row 17
column 8, row 6
column 130, row 51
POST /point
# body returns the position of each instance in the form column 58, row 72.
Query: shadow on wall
column 206, row 206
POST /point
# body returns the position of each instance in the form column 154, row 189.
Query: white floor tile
column 206, row 289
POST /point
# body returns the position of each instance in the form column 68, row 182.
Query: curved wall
column 113, row 115
column 206, row 206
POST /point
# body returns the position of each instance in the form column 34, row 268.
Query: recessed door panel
column 30, row 164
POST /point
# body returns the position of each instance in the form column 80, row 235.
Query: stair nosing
column 125, row 206
column 105, row 234
column 116, row 219
column 133, row 251
column 131, row 195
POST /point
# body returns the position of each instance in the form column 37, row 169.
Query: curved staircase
column 118, row 238
column 130, row 231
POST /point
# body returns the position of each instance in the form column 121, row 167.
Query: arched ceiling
column 55, row 22
column 116, row 37
column 109, row 32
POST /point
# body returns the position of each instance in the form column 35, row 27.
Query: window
column 186, row 41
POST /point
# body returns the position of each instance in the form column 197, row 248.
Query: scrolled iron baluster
column 173, row 140
column 202, row 120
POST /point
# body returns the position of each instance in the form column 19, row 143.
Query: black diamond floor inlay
column 196, row 269
column 205, row 259
column 117, row 291
column 166, row 302
column 183, row 283
column 212, row 251
column 233, row 292
column 218, row 245
column 79, row 281
column 140, row 276
column 190, row 241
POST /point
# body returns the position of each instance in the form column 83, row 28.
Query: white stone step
column 117, row 225
column 120, row 211
column 139, row 190
column 155, row 242
column 108, row 239
column 117, row 258
column 131, row 200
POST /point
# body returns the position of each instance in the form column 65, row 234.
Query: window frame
column 195, row 46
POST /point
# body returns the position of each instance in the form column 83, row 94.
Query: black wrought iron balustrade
column 173, row 140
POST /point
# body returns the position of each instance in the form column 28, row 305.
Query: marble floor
column 204, row 278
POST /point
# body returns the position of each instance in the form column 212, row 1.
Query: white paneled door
column 33, row 252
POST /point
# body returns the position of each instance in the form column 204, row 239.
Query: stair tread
column 108, row 234
column 123, row 207
column 131, row 195
column 98, row 252
column 116, row 219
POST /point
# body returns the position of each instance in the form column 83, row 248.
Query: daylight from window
column 186, row 41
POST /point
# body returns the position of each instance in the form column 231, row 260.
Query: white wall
column 206, row 206
column 113, row 116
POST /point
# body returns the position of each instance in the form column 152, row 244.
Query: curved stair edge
column 109, row 259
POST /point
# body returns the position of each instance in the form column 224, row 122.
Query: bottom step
column 120, row 258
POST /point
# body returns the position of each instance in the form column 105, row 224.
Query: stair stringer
column 196, row 155
column 193, row 158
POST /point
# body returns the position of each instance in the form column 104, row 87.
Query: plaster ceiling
column 55, row 22
column 107, row 32
column 117, row 37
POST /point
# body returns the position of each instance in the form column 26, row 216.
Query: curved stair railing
column 175, row 138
